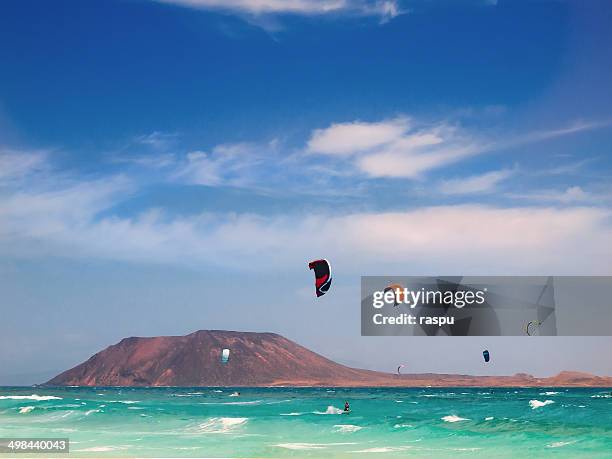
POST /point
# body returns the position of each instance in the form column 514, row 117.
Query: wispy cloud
column 351, row 138
column 384, row 9
column 70, row 223
column 404, row 147
column 395, row 148
column 156, row 140
column 570, row 195
column 75, row 218
column 15, row 165
column 227, row 164
column 482, row 183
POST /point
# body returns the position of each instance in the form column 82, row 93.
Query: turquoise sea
column 307, row 422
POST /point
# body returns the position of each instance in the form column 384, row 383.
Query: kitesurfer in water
column 347, row 407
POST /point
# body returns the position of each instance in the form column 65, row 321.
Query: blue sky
column 163, row 163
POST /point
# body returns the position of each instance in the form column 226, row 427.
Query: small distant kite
column 225, row 355
column 399, row 293
column 532, row 327
column 486, row 355
column 398, row 369
column 323, row 277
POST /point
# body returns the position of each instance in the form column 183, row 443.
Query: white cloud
column 227, row 164
column 75, row 222
column 15, row 165
column 570, row 195
column 575, row 127
column 45, row 215
column 406, row 148
column 355, row 137
column 385, row 9
column 482, row 183
column 156, row 140
column 394, row 148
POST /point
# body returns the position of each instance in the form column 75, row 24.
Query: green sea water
column 307, row 422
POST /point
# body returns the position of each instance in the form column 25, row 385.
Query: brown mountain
column 259, row 359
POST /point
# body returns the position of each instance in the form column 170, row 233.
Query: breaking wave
column 453, row 418
column 38, row 398
column 346, row 428
column 538, row 404
column 221, row 425
column 330, row 410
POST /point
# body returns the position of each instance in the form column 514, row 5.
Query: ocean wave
column 25, row 409
column 250, row 402
column 292, row 414
column 601, row 396
column 402, row 426
column 383, row 449
column 489, row 418
column 87, row 413
column 307, row 446
column 100, row 449
column 330, row 410
column 127, row 402
column 38, row 398
column 559, row 444
column 300, row 446
column 453, row 418
column 347, row 428
column 191, row 394
column 538, row 404
column 221, row 425
column 550, row 393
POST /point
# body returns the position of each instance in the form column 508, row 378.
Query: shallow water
column 306, row 422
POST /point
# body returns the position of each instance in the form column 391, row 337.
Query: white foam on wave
column 347, row 428
column 550, row 393
column 309, row 446
column 127, row 402
column 221, row 425
column 559, row 444
column 489, row 418
column 330, row 410
column 402, row 426
column 453, row 418
column 135, row 408
column 538, row 404
column 25, row 409
column 300, row 446
column 100, row 449
column 38, row 398
column 87, row 413
column 383, row 449
column 292, row 414
column 248, row 402
column 601, row 396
